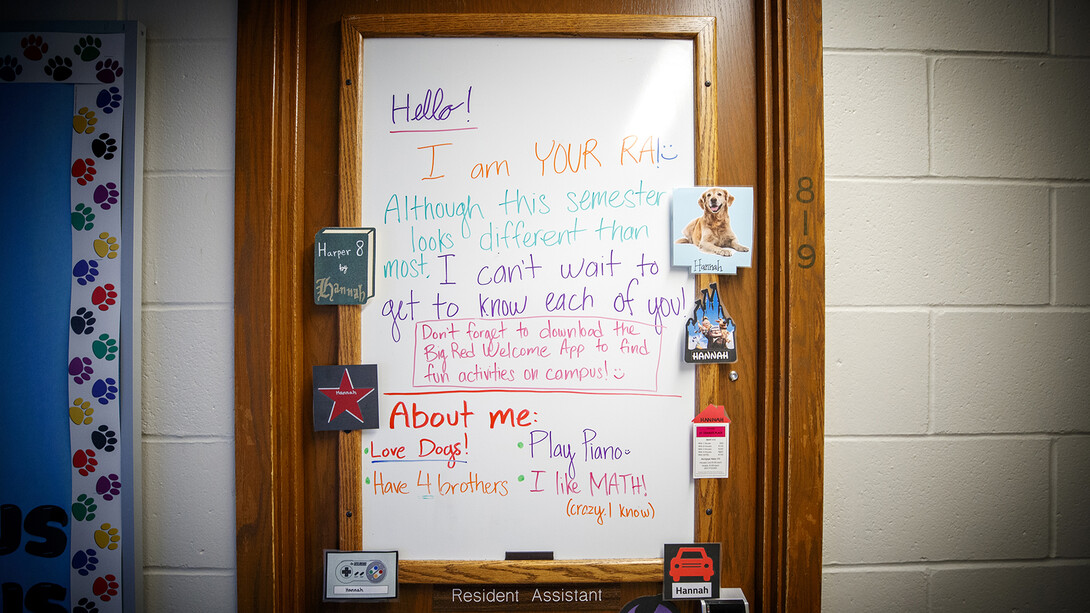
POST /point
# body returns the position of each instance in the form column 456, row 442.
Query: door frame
column 278, row 464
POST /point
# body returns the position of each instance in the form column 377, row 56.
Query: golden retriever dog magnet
column 711, row 231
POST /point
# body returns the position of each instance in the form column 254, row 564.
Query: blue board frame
column 98, row 68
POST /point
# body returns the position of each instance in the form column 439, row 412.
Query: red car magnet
column 690, row 571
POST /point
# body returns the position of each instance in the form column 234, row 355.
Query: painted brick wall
column 188, row 264
column 189, row 480
column 958, row 198
column 958, row 370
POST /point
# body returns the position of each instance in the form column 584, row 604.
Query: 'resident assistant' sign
column 544, row 597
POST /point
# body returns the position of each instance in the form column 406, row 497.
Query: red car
column 691, row 562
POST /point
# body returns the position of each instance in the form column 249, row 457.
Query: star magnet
column 346, row 397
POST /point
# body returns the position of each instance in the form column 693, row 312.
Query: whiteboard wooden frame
column 354, row 29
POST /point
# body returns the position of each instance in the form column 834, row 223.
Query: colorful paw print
column 106, row 195
column 108, row 537
column 60, row 68
column 85, row 271
column 83, row 170
column 34, row 47
column 108, row 70
column 88, row 48
column 108, row 487
column 104, row 348
column 104, row 146
column 83, row 509
column 109, row 99
column 10, row 68
column 83, row 217
column 105, row 587
column 85, row 605
column 83, row 122
column 85, row 561
column 80, row 369
column 84, row 461
column 104, row 390
column 80, row 412
column 104, row 439
column 104, row 296
column 83, row 322
column 106, row 246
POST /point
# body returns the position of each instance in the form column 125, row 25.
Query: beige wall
column 958, row 196
column 958, row 286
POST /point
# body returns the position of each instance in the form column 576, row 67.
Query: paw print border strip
column 96, row 172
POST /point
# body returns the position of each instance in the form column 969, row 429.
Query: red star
column 346, row 398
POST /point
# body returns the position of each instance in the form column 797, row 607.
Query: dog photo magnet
column 712, row 228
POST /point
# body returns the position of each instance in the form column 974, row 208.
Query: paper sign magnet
column 711, row 443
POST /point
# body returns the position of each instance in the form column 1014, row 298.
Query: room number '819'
column 805, row 194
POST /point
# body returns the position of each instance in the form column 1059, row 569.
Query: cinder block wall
column 958, row 199
column 189, row 478
column 188, row 345
column 957, row 473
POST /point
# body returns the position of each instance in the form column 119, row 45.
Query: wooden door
column 767, row 515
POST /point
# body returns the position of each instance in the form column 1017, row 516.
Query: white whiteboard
column 527, row 325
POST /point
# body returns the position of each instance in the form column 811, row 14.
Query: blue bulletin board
column 69, row 103
column 37, row 347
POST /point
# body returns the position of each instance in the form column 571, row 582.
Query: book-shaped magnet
column 344, row 265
